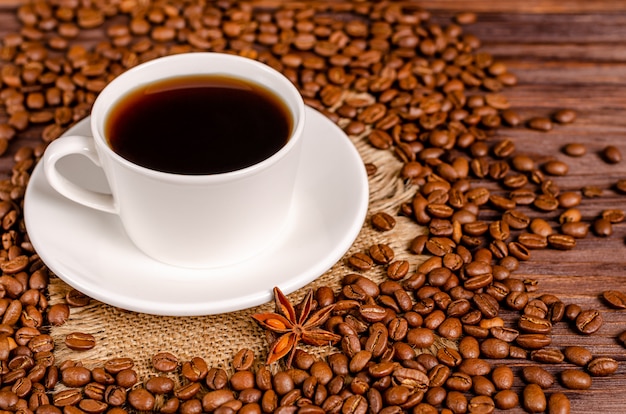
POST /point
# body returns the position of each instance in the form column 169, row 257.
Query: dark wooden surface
column 565, row 54
column 570, row 54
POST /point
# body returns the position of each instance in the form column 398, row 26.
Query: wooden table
column 566, row 54
column 570, row 54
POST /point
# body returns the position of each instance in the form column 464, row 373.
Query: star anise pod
column 292, row 326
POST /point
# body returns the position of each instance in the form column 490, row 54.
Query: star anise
column 293, row 326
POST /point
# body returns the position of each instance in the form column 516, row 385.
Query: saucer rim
column 300, row 278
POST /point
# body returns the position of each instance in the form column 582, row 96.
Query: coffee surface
column 193, row 125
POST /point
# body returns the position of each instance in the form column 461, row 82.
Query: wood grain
column 566, row 54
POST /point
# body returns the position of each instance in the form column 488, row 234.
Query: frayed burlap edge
column 217, row 338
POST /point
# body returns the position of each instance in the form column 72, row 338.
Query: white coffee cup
column 189, row 220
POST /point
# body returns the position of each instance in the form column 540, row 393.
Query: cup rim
column 290, row 89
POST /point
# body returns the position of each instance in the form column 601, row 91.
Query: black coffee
column 198, row 125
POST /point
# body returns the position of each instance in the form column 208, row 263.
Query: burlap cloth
column 216, row 338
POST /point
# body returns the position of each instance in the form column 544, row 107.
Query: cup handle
column 84, row 146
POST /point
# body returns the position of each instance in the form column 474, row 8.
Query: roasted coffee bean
column 614, row 215
column 483, row 386
column 465, row 18
column 439, row 246
column 516, row 219
column 574, row 379
column 532, row 241
column 615, row 298
column 458, row 308
column 489, row 323
column 516, row 300
column 459, row 381
column 449, row 356
column 533, row 341
column 66, row 397
column 481, row 404
column 486, row 304
column 40, row 344
column 591, row 191
column 534, row 399
column 456, row 401
column 558, row 403
column 577, row 230
column 515, row 181
column 588, row 321
column 533, row 324
column 80, row 341
column 115, row 395
column 195, row 369
column 540, row 124
column 126, row 378
column 569, row 199
column 519, row 251
column 564, row 116
column 547, row 355
column 382, row 221
column 602, row 227
column 101, row 376
column 474, row 330
column 398, row 270
column 555, row 167
column 369, row 287
column 360, row 261
column 450, row 328
column 620, row 186
column 522, row 163
column 570, row 215
column 76, row 376
column 211, row 400
column 517, row 353
column 160, row 385
column 602, row 366
column 572, row 311
column 536, row 308
column 503, row 148
column 499, row 249
column 556, row 311
column 546, row 202
column 504, row 334
column 577, row 355
column 435, row 395
column 611, row 154
column 537, row 375
column 561, row 241
column 469, row 347
column 442, row 227
column 420, row 337
column 439, row 373
column 541, row 227
column 58, row 314
column 506, row 399
column 575, row 149
column 164, row 362
column 240, row 380
column 452, row 261
column 502, row 377
column 499, row 230
column 494, row 348
column 77, row 299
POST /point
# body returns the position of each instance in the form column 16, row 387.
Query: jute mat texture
column 216, row 338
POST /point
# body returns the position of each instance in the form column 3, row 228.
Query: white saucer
column 90, row 251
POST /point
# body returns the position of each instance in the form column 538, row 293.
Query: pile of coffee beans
column 436, row 338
